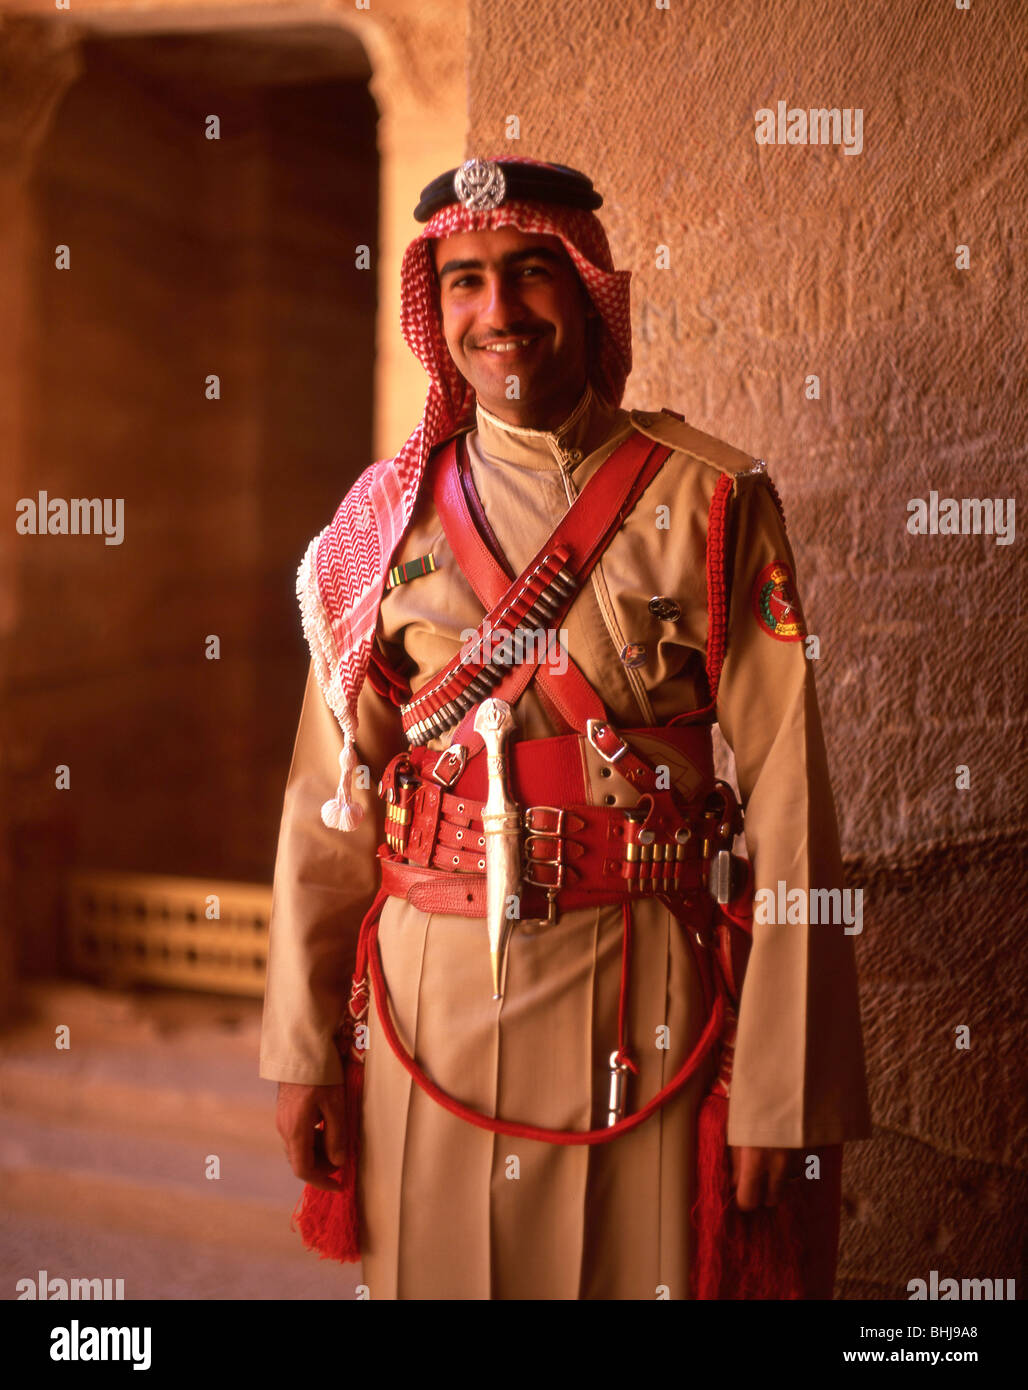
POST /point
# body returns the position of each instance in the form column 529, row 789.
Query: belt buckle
column 455, row 758
column 599, row 728
column 557, row 834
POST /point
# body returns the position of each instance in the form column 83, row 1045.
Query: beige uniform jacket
column 799, row 1077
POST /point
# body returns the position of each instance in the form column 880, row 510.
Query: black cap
column 486, row 183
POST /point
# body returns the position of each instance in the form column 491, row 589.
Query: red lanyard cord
column 706, row 1042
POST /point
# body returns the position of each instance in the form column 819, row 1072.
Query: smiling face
column 512, row 305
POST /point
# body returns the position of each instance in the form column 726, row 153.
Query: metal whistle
column 501, row 825
column 720, row 881
column 618, row 1089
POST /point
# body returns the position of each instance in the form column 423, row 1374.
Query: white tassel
column 342, row 812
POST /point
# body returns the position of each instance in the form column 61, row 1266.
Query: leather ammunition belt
column 573, row 854
column 465, row 679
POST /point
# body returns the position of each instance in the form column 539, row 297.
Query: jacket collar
column 588, row 426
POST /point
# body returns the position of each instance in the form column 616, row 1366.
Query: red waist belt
column 574, row 854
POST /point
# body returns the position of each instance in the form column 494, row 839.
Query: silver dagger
column 501, row 824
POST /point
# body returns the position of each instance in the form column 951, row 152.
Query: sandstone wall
column 792, row 260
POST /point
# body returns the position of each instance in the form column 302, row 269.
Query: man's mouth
column 501, row 345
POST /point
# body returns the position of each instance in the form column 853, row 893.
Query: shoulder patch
column 776, row 606
column 666, row 428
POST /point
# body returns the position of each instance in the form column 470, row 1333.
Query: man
column 481, row 1098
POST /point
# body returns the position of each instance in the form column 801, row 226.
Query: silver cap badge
column 479, row 185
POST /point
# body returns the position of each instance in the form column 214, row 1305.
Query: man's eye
column 463, row 282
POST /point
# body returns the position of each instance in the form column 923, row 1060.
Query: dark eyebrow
column 545, row 253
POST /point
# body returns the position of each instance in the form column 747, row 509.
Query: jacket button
column 663, row 606
column 634, row 654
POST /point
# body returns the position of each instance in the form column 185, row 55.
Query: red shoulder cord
column 718, row 588
column 717, row 584
column 717, row 597
column 386, row 680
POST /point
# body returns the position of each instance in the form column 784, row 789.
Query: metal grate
column 137, row 929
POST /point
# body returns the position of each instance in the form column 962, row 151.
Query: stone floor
column 103, row 1149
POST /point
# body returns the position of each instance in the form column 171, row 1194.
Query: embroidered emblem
column 412, row 569
column 775, row 604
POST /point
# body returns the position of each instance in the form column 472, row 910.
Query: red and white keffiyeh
column 341, row 577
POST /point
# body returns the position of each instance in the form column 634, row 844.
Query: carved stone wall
column 788, row 261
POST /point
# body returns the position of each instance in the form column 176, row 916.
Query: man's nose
column 501, row 302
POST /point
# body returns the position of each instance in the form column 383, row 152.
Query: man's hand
column 313, row 1153
column 760, row 1175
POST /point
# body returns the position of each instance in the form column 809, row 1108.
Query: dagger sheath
column 501, row 825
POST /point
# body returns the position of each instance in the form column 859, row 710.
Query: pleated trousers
column 451, row 1211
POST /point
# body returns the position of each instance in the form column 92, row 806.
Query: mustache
column 509, row 333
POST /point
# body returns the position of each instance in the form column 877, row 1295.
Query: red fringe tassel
column 739, row 1254
column 327, row 1221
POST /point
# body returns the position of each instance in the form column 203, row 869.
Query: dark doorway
column 190, row 258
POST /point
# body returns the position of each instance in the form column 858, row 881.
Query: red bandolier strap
column 540, row 595
column 467, row 673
